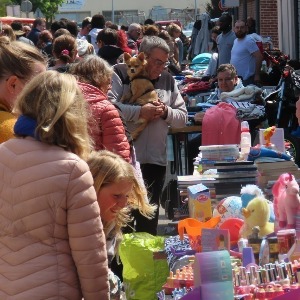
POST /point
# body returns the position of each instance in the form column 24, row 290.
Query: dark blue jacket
column 34, row 35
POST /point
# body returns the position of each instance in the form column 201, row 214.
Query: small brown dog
column 141, row 88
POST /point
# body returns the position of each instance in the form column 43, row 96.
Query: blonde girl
column 52, row 244
column 118, row 191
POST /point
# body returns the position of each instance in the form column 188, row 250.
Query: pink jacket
column 220, row 126
column 52, row 244
column 107, row 129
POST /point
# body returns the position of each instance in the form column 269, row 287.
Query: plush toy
column 251, row 191
column 257, row 213
column 286, row 200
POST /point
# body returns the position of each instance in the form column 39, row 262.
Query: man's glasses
column 160, row 63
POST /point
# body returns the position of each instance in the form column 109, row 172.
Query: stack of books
column 270, row 171
column 232, row 176
column 227, row 181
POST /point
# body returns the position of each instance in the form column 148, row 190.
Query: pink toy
column 286, row 200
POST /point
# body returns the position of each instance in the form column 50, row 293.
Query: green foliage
column 3, row 4
column 48, row 7
column 213, row 9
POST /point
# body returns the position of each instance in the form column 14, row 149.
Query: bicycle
column 281, row 105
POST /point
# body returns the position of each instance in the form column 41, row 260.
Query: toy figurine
column 286, row 200
column 257, row 213
column 268, row 133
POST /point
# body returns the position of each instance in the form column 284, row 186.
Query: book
column 237, row 169
column 214, row 239
column 237, row 174
column 213, row 273
column 293, row 170
column 275, row 165
column 233, row 164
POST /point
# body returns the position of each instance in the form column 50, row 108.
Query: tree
column 213, row 9
column 48, row 7
column 3, row 4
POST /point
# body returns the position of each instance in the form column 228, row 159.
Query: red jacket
column 106, row 128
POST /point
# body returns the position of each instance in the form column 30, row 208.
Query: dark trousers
column 248, row 81
column 154, row 177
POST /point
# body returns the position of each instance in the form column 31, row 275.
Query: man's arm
column 258, row 61
column 176, row 115
column 132, row 112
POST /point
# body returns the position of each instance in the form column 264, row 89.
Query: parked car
column 165, row 23
column 187, row 33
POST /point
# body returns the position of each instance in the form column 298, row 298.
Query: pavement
column 162, row 222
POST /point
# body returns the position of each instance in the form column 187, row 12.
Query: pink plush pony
column 286, row 200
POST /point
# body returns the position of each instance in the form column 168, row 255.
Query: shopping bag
column 143, row 275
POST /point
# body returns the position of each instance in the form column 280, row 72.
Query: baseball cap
column 17, row 28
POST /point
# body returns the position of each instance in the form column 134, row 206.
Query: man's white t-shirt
column 242, row 58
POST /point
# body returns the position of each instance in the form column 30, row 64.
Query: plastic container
column 193, row 229
column 245, row 139
column 286, row 239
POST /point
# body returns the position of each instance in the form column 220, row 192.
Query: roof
column 8, row 20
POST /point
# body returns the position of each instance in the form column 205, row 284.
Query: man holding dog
column 169, row 111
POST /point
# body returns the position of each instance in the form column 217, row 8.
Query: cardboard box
column 199, row 202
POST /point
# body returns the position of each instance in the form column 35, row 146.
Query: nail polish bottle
column 298, row 275
column 260, row 293
column 278, row 290
column 170, row 280
column 270, row 292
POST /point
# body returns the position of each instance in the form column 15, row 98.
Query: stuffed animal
column 257, row 213
column 251, row 191
column 286, row 200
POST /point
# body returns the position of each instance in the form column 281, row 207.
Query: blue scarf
column 25, row 126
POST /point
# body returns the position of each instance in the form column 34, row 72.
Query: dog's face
column 136, row 65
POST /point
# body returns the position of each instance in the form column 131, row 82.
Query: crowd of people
column 71, row 177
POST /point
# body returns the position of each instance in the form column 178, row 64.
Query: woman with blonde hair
column 118, row 191
column 52, row 243
column 109, row 170
column 106, row 127
column 8, row 31
column 19, row 63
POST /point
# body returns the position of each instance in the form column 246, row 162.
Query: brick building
column 278, row 19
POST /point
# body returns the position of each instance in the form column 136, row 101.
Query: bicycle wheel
column 293, row 146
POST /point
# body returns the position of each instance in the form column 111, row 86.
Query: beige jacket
column 52, row 244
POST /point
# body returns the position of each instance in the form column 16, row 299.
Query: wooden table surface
column 186, row 129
